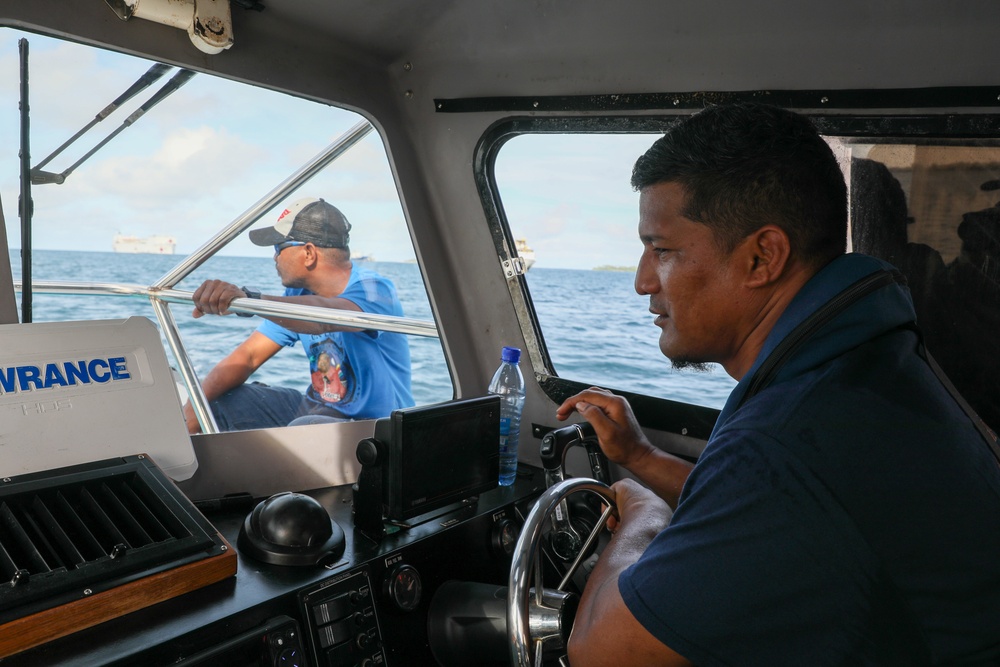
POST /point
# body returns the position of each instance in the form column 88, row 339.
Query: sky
column 569, row 194
column 211, row 150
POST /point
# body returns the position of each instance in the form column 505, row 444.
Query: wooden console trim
column 44, row 626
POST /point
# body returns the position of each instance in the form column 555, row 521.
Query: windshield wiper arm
column 154, row 73
column 176, row 81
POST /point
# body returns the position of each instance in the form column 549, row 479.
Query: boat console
column 108, row 563
column 368, row 606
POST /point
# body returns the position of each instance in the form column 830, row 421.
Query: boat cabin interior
column 504, row 135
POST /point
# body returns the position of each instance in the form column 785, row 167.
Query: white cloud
column 190, row 163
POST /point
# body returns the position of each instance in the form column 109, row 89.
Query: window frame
column 862, row 122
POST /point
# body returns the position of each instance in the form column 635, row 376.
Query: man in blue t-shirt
column 355, row 373
column 846, row 508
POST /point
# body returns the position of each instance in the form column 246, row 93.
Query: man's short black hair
column 748, row 165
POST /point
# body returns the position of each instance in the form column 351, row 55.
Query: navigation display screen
column 440, row 454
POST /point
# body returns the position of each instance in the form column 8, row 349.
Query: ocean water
column 597, row 329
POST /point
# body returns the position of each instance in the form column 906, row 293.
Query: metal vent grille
column 69, row 533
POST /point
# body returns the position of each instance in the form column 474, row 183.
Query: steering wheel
column 534, row 618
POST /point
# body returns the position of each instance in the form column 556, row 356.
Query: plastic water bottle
column 508, row 384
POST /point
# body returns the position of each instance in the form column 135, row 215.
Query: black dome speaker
column 291, row 529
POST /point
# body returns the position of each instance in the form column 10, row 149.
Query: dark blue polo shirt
column 848, row 514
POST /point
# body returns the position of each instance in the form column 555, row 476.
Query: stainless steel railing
column 292, row 311
column 161, row 298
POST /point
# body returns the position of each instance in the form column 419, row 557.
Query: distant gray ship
column 151, row 245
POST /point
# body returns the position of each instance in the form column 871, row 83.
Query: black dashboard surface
column 459, row 543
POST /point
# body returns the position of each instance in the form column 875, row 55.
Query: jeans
column 256, row 405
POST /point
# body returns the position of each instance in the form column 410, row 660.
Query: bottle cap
column 511, row 355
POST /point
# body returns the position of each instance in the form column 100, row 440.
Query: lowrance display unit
column 76, row 392
column 425, row 458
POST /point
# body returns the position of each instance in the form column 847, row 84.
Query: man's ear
column 768, row 251
column 310, row 255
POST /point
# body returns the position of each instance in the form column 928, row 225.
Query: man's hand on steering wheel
column 637, row 503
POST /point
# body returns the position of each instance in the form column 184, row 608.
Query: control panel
column 343, row 623
column 376, row 614
column 370, row 608
column 282, row 641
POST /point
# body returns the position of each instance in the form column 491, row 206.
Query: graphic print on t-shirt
column 332, row 377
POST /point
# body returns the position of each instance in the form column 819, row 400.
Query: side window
column 568, row 197
column 933, row 211
column 176, row 177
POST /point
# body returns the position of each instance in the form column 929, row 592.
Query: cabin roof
column 470, row 48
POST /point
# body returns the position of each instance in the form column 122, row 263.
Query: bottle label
column 504, row 434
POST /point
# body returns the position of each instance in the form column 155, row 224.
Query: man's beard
column 697, row 366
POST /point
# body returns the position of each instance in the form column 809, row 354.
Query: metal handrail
column 291, row 311
column 196, row 394
column 161, row 298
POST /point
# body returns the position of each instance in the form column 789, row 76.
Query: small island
column 609, row 267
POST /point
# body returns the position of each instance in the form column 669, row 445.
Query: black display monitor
column 439, row 454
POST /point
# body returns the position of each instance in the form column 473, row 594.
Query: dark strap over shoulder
column 853, row 293
column 988, row 435
column 798, row 336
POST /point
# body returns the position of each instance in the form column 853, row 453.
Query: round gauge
column 403, row 587
column 505, row 534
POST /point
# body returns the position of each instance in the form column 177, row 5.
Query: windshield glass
column 175, row 177
column 568, row 197
column 931, row 208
